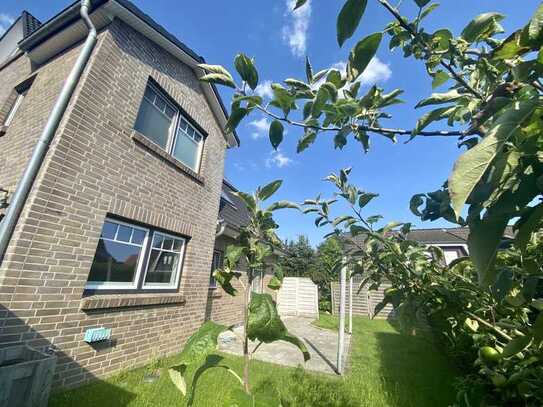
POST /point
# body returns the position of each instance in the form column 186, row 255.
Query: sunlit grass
column 386, row 369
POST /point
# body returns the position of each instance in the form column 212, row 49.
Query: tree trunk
column 245, row 338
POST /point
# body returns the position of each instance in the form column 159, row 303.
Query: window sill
column 97, row 302
column 141, row 139
column 214, row 292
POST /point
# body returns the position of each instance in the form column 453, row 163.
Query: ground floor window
column 217, row 263
column 132, row 257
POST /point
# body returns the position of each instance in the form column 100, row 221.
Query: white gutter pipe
column 13, row 213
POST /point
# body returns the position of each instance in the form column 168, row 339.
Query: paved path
column 321, row 343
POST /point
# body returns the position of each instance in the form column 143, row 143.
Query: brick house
column 120, row 228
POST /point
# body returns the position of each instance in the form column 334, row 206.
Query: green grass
column 327, row 321
column 387, row 369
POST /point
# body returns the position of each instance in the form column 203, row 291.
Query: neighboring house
column 119, row 229
column 453, row 242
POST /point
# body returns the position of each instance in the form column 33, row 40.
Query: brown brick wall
column 95, row 167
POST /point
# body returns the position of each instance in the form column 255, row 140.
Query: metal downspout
column 8, row 224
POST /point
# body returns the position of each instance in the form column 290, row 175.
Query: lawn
column 387, row 369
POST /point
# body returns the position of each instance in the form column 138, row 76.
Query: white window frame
column 112, row 285
column 175, row 127
column 138, row 282
column 14, row 108
column 172, row 284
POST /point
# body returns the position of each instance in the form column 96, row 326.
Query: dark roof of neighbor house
column 447, row 236
column 232, row 209
column 30, row 23
column 37, row 32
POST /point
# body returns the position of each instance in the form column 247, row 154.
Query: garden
column 387, row 369
column 469, row 333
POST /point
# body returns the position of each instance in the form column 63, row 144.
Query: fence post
column 350, row 304
column 341, row 335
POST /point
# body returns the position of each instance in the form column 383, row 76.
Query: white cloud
column 278, row 159
column 297, row 25
column 264, row 89
column 5, row 21
column 261, row 128
column 376, row 71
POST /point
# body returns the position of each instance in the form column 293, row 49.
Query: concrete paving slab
column 321, row 343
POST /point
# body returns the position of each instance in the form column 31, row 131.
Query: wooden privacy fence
column 298, row 296
column 364, row 302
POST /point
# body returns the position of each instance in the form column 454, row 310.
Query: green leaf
column 422, row 3
column 538, row 329
column 283, row 205
column 266, row 326
column 319, row 101
column 510, row 47
column 248, row 199
column 428, row 10
column 439, row 79
column 295, row 83
column 516, row 345
column 218, row 69
column 430, row 117
column 528, row 225
column 308, row 70
column 308, row 138
column 195, row 352
column 276, row 133
column 439, row 98
column 481, row 27
column 483, row 241
column 269, row 189
column 471, row 165
column 282, row 98
column 277, row 280
column 340, row 139
column 361, row 55
column 365, row 198
column 247, row 70
column 235, row 118
column 349, row 19
column 299, row 3
column 176, row 376
column 219, row 79
column 536, row 24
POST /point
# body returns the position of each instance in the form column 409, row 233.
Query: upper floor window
column 132, row 257
column 162, row 122
column 19, row 95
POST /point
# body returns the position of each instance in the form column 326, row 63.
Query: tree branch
column 447, row 66
column 373, row 129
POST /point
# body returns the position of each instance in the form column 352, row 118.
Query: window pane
column 186, row 150
column 138, row 236
column 114, row 262
column 160, row 104
column 150, row 94
column 109, row 230
column 153, row 124
column 177, row 245
column 124, row 233
column 157, row 240
column 162, row 266
column 170, row 112
column 168, row 243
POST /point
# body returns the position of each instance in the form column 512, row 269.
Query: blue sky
column 279, row 40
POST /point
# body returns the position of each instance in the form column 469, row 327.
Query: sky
column 279, row 39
